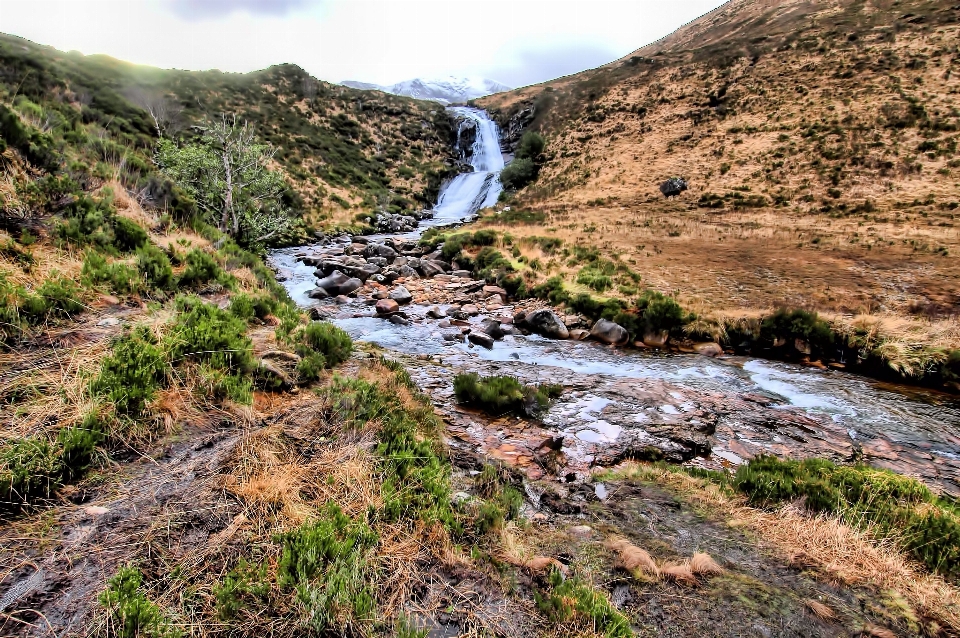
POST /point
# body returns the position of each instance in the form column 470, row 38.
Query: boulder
column 462, row 274
column 656, row 339
column 545, row 322
column 452, row 336
column 481, row 339
column 363, row 272
column 378, row 261
column 495, row 290
column 386, row 307
column 400, row 321
column 332, row 282
column 401, row 295
column 318, row 293
column 708, row 349
column 609, row 332
column 436, row 312
column 493, row 328
column 431, row 268
column 579, row 334
column 470, row 310
column 350, row 285
column 673, row 187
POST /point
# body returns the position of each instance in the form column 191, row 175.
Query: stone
column 470, row 309
column 95, row 510
column 579, row 334
column 452, row 336
column 431, row 268
column 582, row 532
column 546, row 323
column 400, row 321
column 708, row 349
column 378, row 261
column 342, row 299
column 609, row 332
column 332, row 282
column 673, row 187
column 462, row 274
column 401, row 295
column 318, row 293
column 386, row 307
column 656, row 339
column 109, row 321
column 363, row 272
column 436, row 312
column 493, row 328
column 444, row 323
column 495, row 290
column 481, row 339
column 351, row 285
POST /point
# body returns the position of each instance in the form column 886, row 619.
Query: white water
column 470, row 192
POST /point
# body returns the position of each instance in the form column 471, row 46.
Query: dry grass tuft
column 633, row 558
column 703, row 565
column 679, row 573
column 819, row 610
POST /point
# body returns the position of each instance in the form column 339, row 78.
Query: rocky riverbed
column 686, row 408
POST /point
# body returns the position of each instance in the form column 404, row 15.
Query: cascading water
column 470, row 192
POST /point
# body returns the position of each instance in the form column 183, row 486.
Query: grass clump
column 883, row 503
column 30, row 469
column 130, row 376
column 575, row 603
column 131, row 614
column 118, row 277
column 204, row 333
column 155, row 268
column 202, row 269
column 324, row 560
column 243, row 586
column 503, row 501
column 503, row 394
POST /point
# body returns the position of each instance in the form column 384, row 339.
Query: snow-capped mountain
column 451, row 90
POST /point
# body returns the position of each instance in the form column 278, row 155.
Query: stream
column 711, row 413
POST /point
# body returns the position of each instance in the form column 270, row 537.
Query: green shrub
column 57, row 297
column 78, row 445
column 518, row 173
column 242, row 586
column 531, row 146
column 204, row 333
column 128, row 235
column 502, row 394
column 132, row 615
column 119, row 278
column 154, row 267
column 326, row 339
column 324, row 561
column 201, row 269
column 30, row 469
column 594, row 279
column 310, row 366
column 660, row 312
column 791, row 326
column 573, row 600
column 221, row 385
column 130, row 376
column 881, row 502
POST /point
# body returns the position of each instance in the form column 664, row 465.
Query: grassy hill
column 344, row 152
column 819, row 140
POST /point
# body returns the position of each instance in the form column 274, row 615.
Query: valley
column 483, row 378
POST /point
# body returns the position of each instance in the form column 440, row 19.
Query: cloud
column 546, row 62
column 204, row 9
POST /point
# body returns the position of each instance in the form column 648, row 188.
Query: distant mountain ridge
column 451, row 90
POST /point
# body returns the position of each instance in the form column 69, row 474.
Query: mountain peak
column 449, row 90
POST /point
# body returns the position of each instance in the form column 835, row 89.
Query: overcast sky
column 517, row 42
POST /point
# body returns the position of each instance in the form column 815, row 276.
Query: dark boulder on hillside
column 673, row 187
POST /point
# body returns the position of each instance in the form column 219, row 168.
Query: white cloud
column 380, row 41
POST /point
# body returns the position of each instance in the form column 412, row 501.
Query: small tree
column 226, row 171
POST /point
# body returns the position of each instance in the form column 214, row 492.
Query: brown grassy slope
column 819, row 140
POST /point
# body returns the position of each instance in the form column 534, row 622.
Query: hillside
column 819, row 141
column 345, row 152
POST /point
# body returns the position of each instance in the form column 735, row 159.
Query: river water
column 622, row 402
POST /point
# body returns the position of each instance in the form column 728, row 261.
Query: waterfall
column 470, row 192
